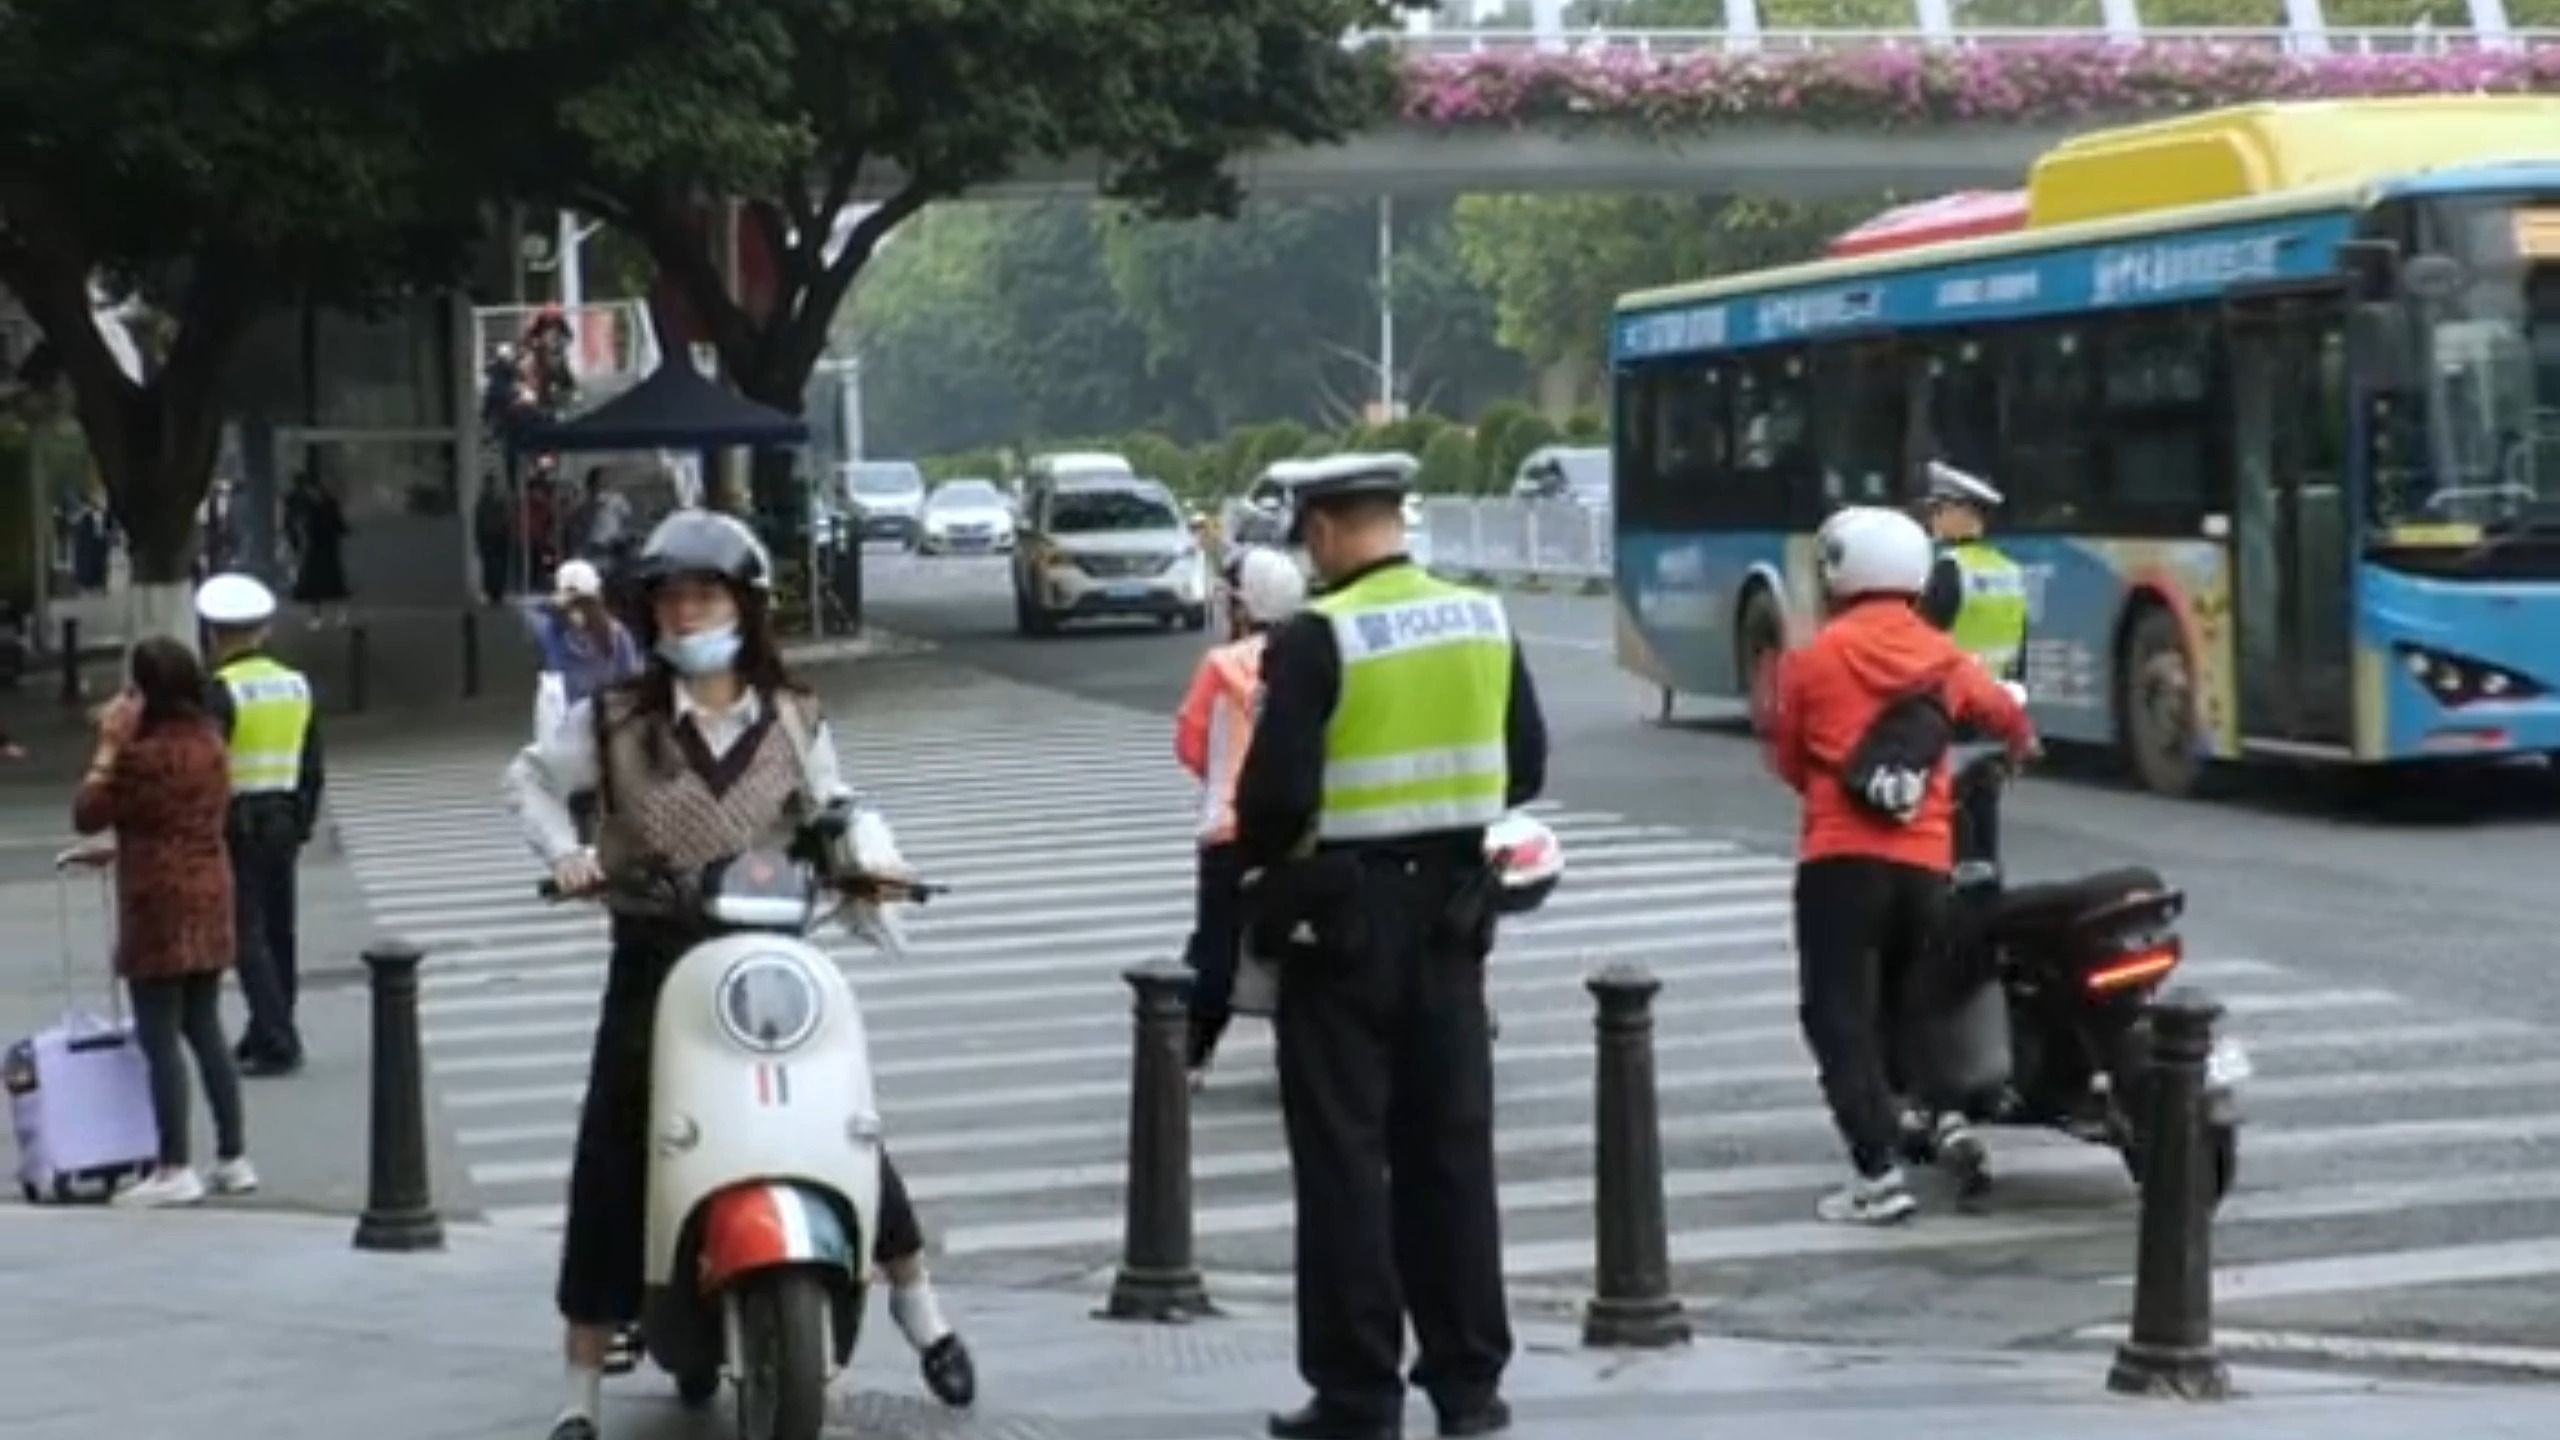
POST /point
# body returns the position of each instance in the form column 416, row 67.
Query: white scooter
column 1528, row 861
column 764, row 1163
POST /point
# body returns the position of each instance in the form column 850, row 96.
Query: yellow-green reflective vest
column 1415, row 745
column 1991, row 623
column 270, row 718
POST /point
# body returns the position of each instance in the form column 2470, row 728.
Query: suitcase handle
column 101, row 858
column 90, row 1044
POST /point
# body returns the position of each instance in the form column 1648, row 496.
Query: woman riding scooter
column 712, row 750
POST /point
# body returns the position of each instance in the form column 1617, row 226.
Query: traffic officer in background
column 1979, row 597
column 1398, row 722
column 264, row 708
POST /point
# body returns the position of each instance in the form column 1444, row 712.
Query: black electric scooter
column 2051, row 1030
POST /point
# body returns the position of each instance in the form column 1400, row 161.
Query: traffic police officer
column 1398, row 722
column 1976, row 594
column 265, row 711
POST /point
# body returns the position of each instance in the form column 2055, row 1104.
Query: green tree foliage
column 1554, row 265
column 800, row 105
column 217, row 159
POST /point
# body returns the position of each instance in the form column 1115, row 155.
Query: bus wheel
column 1757, row 641
column 2156, row 682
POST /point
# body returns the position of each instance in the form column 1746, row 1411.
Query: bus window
column 1859, row 407
column 1672, row 447
column 2049, row 462
column 2155, row 387
column 1773, row 463
column 1964, row 409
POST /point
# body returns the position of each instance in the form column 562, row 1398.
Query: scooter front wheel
column 697, row 1390
column 782, row 1367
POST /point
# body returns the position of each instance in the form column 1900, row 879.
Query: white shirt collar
column 748, row 710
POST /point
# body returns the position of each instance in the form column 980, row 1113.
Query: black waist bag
column 1888, row 773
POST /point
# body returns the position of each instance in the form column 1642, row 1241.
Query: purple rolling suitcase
column 79, row 1093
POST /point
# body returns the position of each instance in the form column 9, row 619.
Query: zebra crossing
column 2391, row 1141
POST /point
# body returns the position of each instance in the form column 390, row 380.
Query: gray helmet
column 706, row 543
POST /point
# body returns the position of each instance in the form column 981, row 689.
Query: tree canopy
column 217, row 159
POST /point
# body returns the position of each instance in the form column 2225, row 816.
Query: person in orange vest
column 1211, row 731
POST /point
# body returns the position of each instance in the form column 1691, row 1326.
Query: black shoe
column 949, row 1372
column 1491, row 1417
column 270, row 1067
column 1321, row 1419
column 574, row 1427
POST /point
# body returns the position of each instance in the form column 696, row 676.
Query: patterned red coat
column 167, row 802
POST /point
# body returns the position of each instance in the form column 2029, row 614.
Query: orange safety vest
column 1214, row 727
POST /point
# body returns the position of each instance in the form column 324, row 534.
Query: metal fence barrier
column 1554, row 543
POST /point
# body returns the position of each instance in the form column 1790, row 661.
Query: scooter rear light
column 2137, row 968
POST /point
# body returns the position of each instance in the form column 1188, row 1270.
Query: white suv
column 1099, row 546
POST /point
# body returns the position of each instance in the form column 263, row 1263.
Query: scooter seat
column 2056, row 904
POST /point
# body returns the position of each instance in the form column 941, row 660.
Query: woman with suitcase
column 160, row 779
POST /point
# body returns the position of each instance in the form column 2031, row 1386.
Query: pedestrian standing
column 316, row 525
column 493, row 535
column 583, row 650
column 1212, row 733
column 160, row 781
column 264, row 710
column 1398, row 722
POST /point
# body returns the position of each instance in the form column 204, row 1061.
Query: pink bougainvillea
column 1886, row 88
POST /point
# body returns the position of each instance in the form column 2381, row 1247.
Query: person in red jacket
column 1871, row 871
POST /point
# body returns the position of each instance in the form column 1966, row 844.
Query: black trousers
column 1217, row 935
column 263, row 864
column 602, row 1248
column 1386, row 1088
column 187, row 1009
column 1865, row 930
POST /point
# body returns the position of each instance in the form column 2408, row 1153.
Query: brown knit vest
column 665, row 801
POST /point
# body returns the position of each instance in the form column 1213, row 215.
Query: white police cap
column 233, row 599
column 1946, row 482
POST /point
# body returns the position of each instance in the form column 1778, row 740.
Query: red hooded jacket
column 1831, row 690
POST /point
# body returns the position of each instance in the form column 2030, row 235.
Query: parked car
column 967, row 517
column 1098, row 545
column 888, row 495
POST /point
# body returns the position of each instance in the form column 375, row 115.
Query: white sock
column 919, row 1313
column 585, row 1393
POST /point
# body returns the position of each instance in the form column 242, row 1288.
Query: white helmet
column 233, row 601
column 1270, row 585
column 1868, row 550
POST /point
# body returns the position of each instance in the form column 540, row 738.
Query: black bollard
column 357, row 647
column 1632, row 1305
column 1158, row 1278
column 70, row 660
column 399, row 1210
column 470, row 655
column 2170, row 1348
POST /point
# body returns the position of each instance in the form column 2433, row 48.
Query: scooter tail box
column 79, row 1094
column 760, row 1077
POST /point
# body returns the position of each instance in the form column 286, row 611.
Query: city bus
column 2273, row 394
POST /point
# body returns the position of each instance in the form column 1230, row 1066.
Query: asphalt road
column 2414, row 902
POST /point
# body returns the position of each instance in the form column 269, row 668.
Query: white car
column 888, row 495
column 1103, row 547
column 967, row 517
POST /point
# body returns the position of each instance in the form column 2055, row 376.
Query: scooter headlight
column 770, row 1003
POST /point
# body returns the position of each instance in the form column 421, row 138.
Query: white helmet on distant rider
column 1870, row 550
column 1270, row 586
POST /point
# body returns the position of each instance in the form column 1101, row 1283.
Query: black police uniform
column 1386, row 1072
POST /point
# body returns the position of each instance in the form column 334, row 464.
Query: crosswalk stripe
column 1002, row 1039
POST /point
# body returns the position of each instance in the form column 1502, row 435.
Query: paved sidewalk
column 175, row 1326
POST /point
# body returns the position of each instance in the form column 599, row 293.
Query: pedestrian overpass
column 1561, row 133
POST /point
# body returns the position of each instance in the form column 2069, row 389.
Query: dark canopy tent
column 676, row 408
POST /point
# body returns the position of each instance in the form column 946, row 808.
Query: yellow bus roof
column 2246, row 162
column 2265, row 149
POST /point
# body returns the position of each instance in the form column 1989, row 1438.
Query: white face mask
column 705, row 652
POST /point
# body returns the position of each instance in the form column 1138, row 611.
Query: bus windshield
column 2492, row 378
